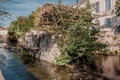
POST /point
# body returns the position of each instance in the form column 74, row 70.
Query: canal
column 16, row 67
column 12, row 68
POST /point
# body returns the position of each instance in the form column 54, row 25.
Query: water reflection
column 46, row 71
column 109, row 66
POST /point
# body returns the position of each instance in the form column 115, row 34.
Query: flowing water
column 13, row 69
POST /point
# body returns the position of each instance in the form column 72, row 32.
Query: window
column 97, row 7
column 108, row 4
column 108, row 22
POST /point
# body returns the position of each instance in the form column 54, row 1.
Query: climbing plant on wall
column 117, row 7
column 74, row 30
column 77, row 40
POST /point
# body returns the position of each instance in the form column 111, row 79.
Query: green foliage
column 117, row 6
column 12, row 39
column 77, row 40
column 12, row 26
column 76, row 35
column 63, row 59
column 22, row 24
column 78, row 43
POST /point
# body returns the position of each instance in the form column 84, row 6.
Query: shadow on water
column 108, row 66
column 46, row 71
column 27, row 59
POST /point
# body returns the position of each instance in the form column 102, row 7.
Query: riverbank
column 52, row 72
column 107, row 67
column 46, row 71
column 105, row 70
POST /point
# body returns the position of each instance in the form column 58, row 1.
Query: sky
column 18, row 8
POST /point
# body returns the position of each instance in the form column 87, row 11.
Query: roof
column 2, row 28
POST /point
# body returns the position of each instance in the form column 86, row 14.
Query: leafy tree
column 12, row 27
column 22, row 24
column 12, row 39
column 76, row 35
column 75, row 32
column 117, row 6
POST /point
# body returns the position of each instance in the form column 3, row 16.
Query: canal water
column 108, row 66
column 12, row 68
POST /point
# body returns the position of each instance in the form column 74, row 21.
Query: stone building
column 108, row 23
column 3, row 34
column 104, row 9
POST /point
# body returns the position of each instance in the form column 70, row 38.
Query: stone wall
column 108, row 37
column 48, row 48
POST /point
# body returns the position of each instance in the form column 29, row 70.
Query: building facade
column 3, row 34
column 109, row 23
column 3, row 31
column 105, row 9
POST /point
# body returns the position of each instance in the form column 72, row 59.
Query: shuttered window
column 97, row 7
column 108, row 4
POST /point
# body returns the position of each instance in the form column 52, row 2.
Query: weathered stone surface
column 48, row 48
column 108, row 37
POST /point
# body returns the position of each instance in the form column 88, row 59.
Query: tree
column 21, row 25
column 117, row 7
column 12, row 39
column 76, row 35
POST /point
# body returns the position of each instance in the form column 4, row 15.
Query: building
column 3, row 34
column 104, row 9
column 3, row 31
column 108, row 22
